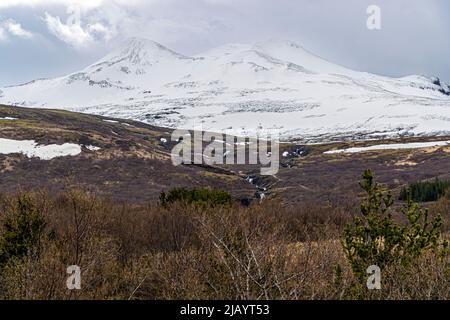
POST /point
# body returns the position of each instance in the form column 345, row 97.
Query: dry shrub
column 143, row 251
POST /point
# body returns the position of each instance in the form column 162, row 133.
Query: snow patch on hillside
column 413, row 145
column 32, row 150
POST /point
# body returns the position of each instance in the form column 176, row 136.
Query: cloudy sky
column 45, row 38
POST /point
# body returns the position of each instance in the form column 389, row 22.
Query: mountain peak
column 142, row 43
column 143, row 51
column 280, row 43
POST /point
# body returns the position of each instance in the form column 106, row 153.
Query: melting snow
column 92, row 148
column 414, row 145
column 32, row 150
column 8, row 118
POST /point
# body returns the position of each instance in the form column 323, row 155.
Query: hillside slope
column 121, row 159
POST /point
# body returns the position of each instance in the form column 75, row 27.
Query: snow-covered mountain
column 243, row 88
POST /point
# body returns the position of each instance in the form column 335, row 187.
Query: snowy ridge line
column 240, row 87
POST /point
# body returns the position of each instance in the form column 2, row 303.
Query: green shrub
column 200, row 196
column 425, row 191
column 22, row 228
column 375, row 238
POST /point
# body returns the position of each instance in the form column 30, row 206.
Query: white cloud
column 36, row 3
column 13, row 28
column 80, row 29
column 83, row 4
column 71, row 33
column 16, row 29
column 86, row 21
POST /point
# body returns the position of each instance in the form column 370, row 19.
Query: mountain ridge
column 275, row 85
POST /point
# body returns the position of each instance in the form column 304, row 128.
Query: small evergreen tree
column 22, row 228
column 374, row 238
column 201, row 196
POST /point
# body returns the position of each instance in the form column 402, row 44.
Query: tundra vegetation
column 197, row 244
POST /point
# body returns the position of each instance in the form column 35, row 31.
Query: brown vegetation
column 144, row 251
